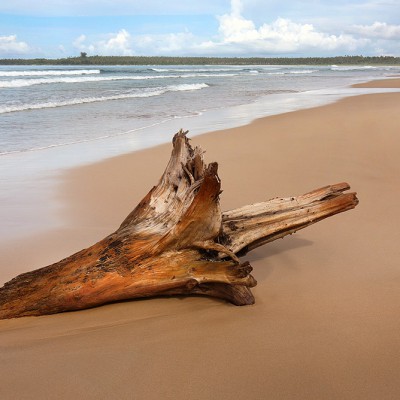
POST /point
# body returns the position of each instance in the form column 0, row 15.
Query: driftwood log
column 175, row 242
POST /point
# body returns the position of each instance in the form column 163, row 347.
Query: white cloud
column 235, row 29
column 280, row 36
column 10, row 47
column 123, row 43
column 79, row 42
column 241, row 36
column 118, row 44
column 114, row 44
column 171, row 43
column 378, row 30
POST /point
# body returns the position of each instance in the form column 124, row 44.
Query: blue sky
column 63, row 28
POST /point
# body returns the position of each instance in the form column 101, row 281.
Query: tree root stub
column 175, row 242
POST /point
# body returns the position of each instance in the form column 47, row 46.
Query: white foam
column 192, row 69
column 203, row 75
column 147, row 93
column 184, row 87
column 40, row 81
column 303, row 71
column 17, row 83
column 50, row 72
column 351, row 68
column 294, row 72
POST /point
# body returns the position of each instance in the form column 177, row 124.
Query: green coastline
column 83, row 59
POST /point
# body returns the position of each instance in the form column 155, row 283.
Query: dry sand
column 326, row 321
column 379, row 83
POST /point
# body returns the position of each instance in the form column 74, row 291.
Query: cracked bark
column 175, row 242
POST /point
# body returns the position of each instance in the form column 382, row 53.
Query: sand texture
column 379, row 83
column 326, row 320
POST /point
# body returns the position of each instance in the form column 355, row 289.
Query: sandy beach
column 326, row 320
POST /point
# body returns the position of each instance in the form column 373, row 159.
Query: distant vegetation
column 84, row 59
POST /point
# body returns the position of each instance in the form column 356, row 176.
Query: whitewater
column 46, row 106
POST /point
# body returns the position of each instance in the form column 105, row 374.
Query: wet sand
column 326, row 320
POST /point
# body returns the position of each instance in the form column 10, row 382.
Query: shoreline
column 326, row 314
column 39, row 183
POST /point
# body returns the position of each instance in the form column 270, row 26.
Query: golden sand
column 326, row 320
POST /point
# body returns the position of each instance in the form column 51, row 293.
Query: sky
column 239, row 28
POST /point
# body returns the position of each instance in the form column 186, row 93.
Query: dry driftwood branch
column 175, row 242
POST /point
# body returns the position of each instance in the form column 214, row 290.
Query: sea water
column 57, row 117
column 43, row 107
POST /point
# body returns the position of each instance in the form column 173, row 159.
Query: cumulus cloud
column 11, row 47
column 378, row 30
column 279, row 36
column 124, row 44
column 172, row 43
column 114, row 44
column 79, row 42
column 118, row 44
column 240, row 36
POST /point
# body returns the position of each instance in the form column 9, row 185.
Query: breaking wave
column 303, row 71
column 144, row 93
column 351, row 68
column 293, row 72
column 18, row 83
column 50, row 72
column 193, row 69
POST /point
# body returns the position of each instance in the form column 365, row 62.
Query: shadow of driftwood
column 273, row 249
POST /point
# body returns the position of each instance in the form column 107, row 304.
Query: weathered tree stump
column 175, row 242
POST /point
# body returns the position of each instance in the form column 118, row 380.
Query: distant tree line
column 84, row 59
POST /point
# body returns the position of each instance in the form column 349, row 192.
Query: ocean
column 43, row 107
column 57, row 117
